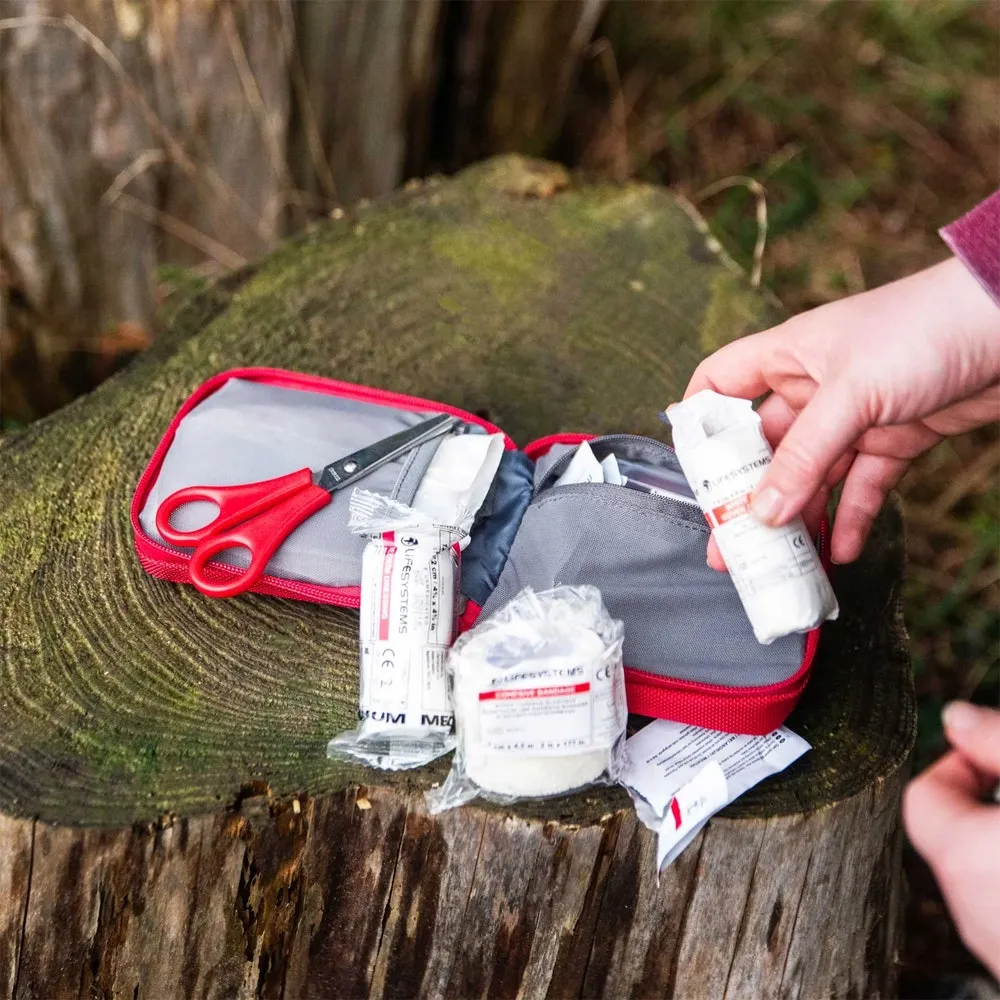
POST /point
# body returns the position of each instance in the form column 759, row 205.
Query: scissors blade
column 346, row 470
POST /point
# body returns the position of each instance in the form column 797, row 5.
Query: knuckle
column 863, row 504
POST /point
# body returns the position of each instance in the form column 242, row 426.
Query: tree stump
column 170, row 825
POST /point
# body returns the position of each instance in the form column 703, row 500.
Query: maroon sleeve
column 975, row 240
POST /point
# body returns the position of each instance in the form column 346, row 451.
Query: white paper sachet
column 777, row 572
column 612, row 475
column 679, row 776
column 458, row 478
column 583, row 468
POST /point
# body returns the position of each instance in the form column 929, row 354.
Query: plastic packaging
column 409, row 577
column 410, row 604
column 539, row 695
column 777, row 572
column 658, row 481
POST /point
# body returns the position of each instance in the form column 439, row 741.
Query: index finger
column 733, row 370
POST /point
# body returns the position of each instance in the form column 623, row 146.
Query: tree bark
column 135, row 134
column 169, row 823
column 131, row 134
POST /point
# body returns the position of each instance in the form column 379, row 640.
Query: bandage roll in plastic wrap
column 409, row 604
column 539, row 697
column 407, row 622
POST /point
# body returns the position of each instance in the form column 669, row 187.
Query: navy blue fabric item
column 496, row 525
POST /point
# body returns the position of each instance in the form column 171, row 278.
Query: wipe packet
column 679, row 776
column 539, row 696
column 410, row 604
column 777, row 572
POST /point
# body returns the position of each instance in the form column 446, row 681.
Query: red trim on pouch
column 170, row 564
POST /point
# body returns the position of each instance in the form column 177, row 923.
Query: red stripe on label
column 385, row 591
column 738, row 507
column 509, row 694
column 675, row 811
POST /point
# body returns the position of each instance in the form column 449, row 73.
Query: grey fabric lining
column 646, row 554
column 247, row 431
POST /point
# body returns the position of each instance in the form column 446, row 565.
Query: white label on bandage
column 761, row 556
column 407, row 624
column 555, row 711
column 539, row 720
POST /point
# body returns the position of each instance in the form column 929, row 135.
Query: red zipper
column 168, row 564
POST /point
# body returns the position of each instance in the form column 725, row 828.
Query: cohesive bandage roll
column 539, row 696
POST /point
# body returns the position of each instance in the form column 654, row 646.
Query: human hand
column 957, row 832
column 859, row 388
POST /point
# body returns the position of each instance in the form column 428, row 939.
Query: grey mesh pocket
column 247, row 431
column 646, row 554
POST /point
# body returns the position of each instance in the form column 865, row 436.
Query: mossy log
column 170, row 825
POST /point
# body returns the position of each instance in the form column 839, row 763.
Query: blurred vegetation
column 868, row 125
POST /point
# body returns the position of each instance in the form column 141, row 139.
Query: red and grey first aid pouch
column 690, row 652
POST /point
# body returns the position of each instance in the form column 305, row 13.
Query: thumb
column 826, row 428
column 975, row 732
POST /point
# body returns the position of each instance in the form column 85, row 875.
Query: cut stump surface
column 170, row 825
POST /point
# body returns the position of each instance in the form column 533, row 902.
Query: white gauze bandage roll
column 539, row 696
column 777, row 572
column 409, row 602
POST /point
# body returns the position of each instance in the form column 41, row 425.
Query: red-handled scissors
column 260, row 516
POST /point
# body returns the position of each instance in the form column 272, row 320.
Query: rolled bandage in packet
column 777, row 572
column 539, row 694
column 409, row 605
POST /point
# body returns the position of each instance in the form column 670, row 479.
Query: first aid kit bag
column 689, row 649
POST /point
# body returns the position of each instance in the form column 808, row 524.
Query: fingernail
column 960, row 716
column 766, row 505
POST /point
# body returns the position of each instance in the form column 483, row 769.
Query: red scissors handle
column 260, row 535
column 254, row 516
column 236, row 504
